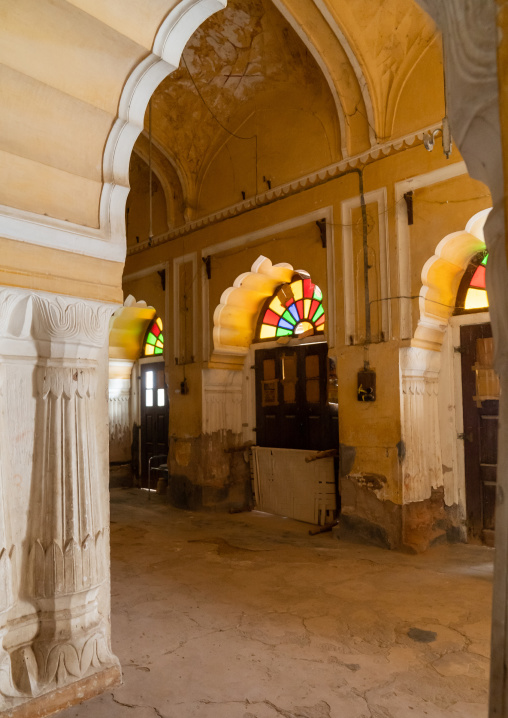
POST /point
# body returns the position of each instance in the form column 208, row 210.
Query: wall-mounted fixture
column 366, row 385
column 429, row 138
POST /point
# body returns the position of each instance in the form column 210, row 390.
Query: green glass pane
column 484, row 260
column 319, row 311
column 284, row 332
column 157, row 350
column 161, row 337
column 289, row 318
column 151, row 339
column 318, row 294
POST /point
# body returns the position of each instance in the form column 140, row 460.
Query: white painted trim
column 33, row 228
column 205, row 316
column 283, row 226
column 304, row 37
column 379, row 197
column 404, row 235
column 184, row 259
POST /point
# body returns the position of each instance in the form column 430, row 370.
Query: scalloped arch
column 441, row 276
column 234, row 319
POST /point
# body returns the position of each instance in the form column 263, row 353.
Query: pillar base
column 50, row 703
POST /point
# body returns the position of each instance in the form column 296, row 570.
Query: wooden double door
column 293, row 407
column 154, row 417
column 480, row 413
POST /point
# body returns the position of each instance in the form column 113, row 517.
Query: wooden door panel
column 154, row 415
column 480, row 439
column 292, row 409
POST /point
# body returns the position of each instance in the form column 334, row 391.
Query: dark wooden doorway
column 480, row 437
column 293, row 410
column 154, row 417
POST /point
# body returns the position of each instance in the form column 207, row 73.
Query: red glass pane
column 299, row 306
column 271, row 318
column 478, row 279
column 313, row 307
column 155, row 329
column 320, row 321
column 308, row 289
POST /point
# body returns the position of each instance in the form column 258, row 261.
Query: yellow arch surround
column 127, row 329
column 441, row 277
column 234, row 319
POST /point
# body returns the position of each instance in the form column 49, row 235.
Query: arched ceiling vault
column 339, row 76
column 69, row 126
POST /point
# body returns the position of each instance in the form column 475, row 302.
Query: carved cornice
column 290, row 188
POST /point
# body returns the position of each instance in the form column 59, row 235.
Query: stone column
column 56, row 369
column 470, row 39
column 120, row 415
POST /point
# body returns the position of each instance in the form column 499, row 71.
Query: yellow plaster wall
column 422, row 94
column 138, row 204
column 288, row 120
column 51, row 270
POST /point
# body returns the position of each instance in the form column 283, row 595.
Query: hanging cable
column 150, row 209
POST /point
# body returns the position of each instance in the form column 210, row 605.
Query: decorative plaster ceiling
column 271, row 67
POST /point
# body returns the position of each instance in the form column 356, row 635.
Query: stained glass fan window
column 476, row 295
column 154, row 342
column 296, row 310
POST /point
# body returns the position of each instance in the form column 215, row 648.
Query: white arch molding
column 174, row 33
column 108, row 240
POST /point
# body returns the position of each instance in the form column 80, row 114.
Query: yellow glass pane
column 476, row 299
column 149, row 349
column 267, row 332
column 159, row 323
column 277, row 307
column 303, row 327
column 159, row 344
column 297, row 288
column 306, row 307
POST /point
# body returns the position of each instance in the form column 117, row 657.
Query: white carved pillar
column 68, row 532
column 7, row 559
column 54, row 357
column 470, row 38
column 421, row 453
column 120, row 414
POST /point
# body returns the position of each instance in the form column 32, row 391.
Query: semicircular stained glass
column 154, row 342
column 296, row 310
column 476, row 294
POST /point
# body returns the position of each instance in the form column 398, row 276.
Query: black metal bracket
column 208, row 266
column 321, row 225
column 409, row 204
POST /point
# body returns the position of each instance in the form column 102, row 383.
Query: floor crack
column 134, row 705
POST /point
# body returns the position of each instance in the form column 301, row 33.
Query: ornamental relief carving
column 61, row 318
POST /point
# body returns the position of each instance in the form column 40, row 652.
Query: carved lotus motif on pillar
column 65, row 565
column 66, row 552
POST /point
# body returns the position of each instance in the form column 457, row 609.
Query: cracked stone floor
column 247, row 616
